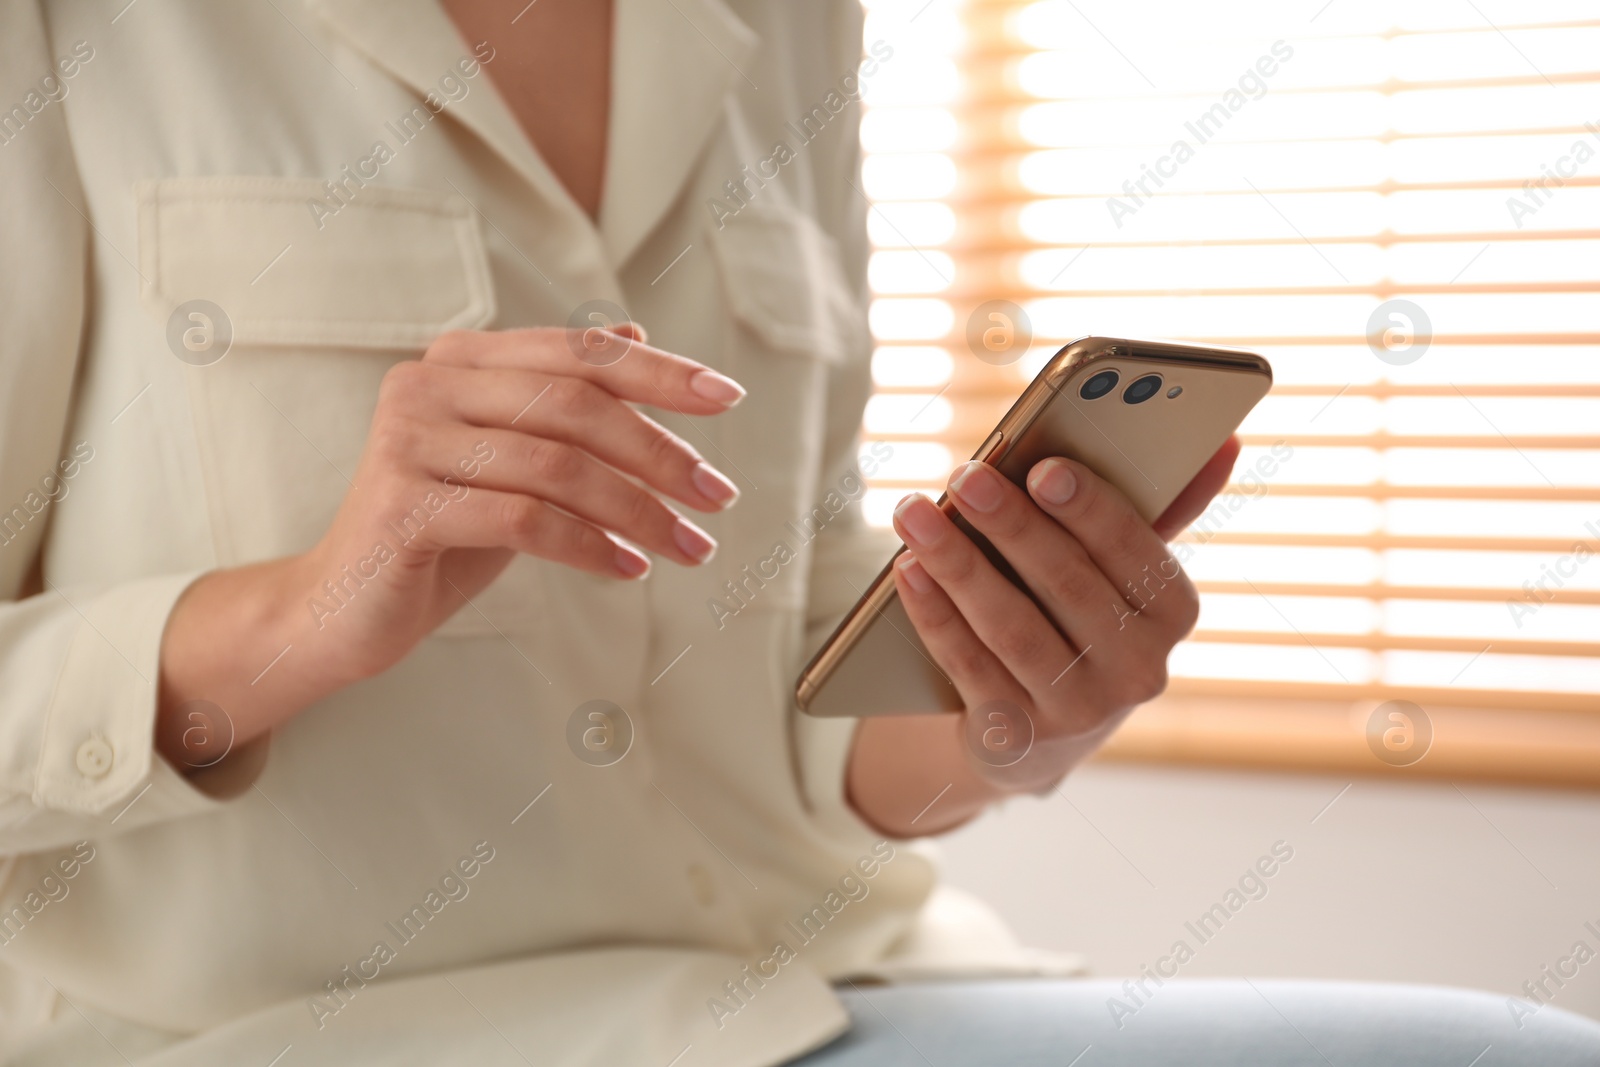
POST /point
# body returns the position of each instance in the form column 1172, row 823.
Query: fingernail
column 694, row 541
column 977, row 486
column 717, row 388
column 914, row 574
column 631, row 563
column 714, row 484
column 1053, row 482
column 921, row 521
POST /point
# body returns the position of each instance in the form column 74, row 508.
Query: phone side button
column 989, row 448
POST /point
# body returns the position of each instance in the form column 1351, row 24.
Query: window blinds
column 1397, row 204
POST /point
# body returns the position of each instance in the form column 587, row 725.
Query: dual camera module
column 1137, row 392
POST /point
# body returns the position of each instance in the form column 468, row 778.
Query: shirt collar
column 672, row 66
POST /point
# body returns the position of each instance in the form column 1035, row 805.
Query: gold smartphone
column 1144, row 415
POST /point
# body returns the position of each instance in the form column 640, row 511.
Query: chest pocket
column 308, row 303
column 784, row 283
column 800, row 341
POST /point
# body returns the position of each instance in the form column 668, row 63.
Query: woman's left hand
column 1045, row 679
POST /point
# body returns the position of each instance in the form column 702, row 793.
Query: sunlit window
column 1398, row 204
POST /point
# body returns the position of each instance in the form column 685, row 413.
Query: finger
column 1125, row 547
column 564, row 409
column 979, row 675
column 575, row 481
column 1005, row 620
column 972, row 668
column 1079, row 598
column 488, row 518
column 628, row 368
column 632, row 330
column 1199, row 492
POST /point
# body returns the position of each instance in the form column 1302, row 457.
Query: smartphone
column 1143, row 415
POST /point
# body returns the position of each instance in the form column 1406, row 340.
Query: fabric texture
column 339, row 182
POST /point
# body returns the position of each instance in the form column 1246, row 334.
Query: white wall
column 1396, row 881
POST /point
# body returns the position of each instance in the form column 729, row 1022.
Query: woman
column 366, row 700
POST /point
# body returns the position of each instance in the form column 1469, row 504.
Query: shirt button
column 94, row 758
column 705, row 890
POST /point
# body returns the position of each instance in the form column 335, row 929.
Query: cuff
column 824, row 756
column 98, row 753
column 842, row 569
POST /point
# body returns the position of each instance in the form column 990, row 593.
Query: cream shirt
column 422, row 867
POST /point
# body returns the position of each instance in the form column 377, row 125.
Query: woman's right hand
column 491, row 444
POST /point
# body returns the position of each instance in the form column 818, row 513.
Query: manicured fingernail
column 1053, row 482
column 921, row 521
column 631, row 563
column 914, row 574
column 714, row 484
column 694, row 541
column 977, row 487
column 717, row 388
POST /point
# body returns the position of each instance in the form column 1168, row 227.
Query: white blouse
column 581, row 823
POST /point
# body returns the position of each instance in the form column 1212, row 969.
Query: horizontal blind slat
column 989, row 251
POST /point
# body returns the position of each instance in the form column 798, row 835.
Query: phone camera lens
column 1142, row 389
column 1099, row 385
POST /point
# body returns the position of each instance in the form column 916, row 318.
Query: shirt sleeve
column 78, row 665
column 848, row 552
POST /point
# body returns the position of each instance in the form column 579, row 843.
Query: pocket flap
column 784, row 281
column 289, row 265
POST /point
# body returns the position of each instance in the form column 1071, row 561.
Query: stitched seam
column 383, row 332
column 79, row 628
